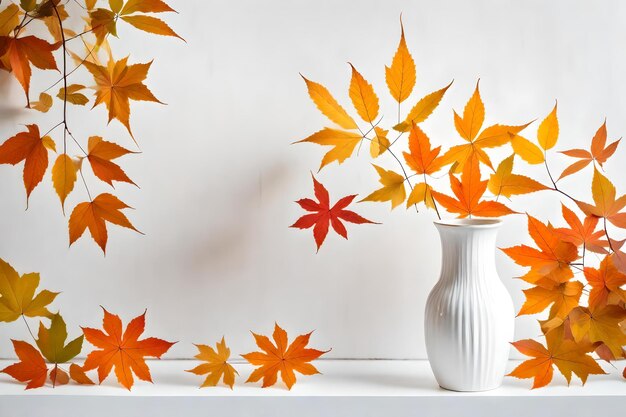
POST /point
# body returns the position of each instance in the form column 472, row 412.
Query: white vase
column 469, row 318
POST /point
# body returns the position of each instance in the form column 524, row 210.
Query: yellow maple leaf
column 392, row 189
column 216, row 367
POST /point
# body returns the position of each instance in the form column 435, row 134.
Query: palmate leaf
column 322, row 215
column 469, row 128
column 31, row 148
column 468, row 192
column 121, row 350
column 93, row 215
column 117, row 83
column 17, row 295
column 567, row 356
column 216, row 366
column 282, row 357
column 599, row 152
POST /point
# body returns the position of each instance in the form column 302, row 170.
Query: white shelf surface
column 346, row 388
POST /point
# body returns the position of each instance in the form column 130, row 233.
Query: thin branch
column 28, row 327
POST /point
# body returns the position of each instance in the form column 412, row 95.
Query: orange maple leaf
column 606, row 284
column 31, row 148
column 122, row 350
column 468, row 192
column 323, row 215
column 599, row 152
column 600, row 325
column 563, row 298
column 606, row 205
column 469, row 127
column 282, row 357
column 422, row 157
column 568, row 356
column 17, row 54
column 583, row 234
column 31, row 368
column 100, row 154
column 549, row 263
column 117, row 83
column 92, row 215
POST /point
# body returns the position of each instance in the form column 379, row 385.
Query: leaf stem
column 28, row 327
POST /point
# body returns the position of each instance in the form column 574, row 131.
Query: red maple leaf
column 322, row 214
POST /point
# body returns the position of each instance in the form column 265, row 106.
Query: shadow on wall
column 9, row 109
column 226, row 248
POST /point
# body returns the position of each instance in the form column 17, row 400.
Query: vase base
column 479, row 389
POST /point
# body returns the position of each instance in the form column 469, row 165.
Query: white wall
column 218, row 176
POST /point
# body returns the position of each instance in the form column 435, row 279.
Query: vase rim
column 469, row 223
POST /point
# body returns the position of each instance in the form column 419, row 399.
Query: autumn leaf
column 122, row 351
column 151, row 25
column 9, row 19
column 322, row 215
column 19, row 53
column 148, row 24
column 473, row 117
column 600, row 325
column 422, row 157
column 31, row 368
column 43, row 104
column 527, row 150
column 63, row 177
column 51, row 344
column 400, row 76
column 421, row 193
column 583, row 234
column 282, row 357
column 17, row 295
column 79, row 376
column 563, row 298
column 216, row 366
column 380, row 143
column 51, row 341
column 103, row 22
column 72, row 95
column 548, row 132
column 49, row 16
column 100, row 154
column 392, row 189
column 343, row 144
column 117, row 83
column 424, row 108
column 568, row 356
column 145, row 6
column 551, row 261
column 504, row 182
column 603, row 192
column 31, row 148
column 94, row 214
column 363, row 97
column 327, row 104
column 468, row 127
column 606, row 284
column 58, row 376
column 599, row 152
column 468, row 192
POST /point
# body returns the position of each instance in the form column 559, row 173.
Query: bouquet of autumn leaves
column 561, row 273
column 31, row 33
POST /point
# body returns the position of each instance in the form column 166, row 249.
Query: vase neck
column 468, row 252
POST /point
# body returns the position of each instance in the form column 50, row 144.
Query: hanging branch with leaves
column 23, row 27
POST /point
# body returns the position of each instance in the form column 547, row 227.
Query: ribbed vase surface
column 469, row 313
